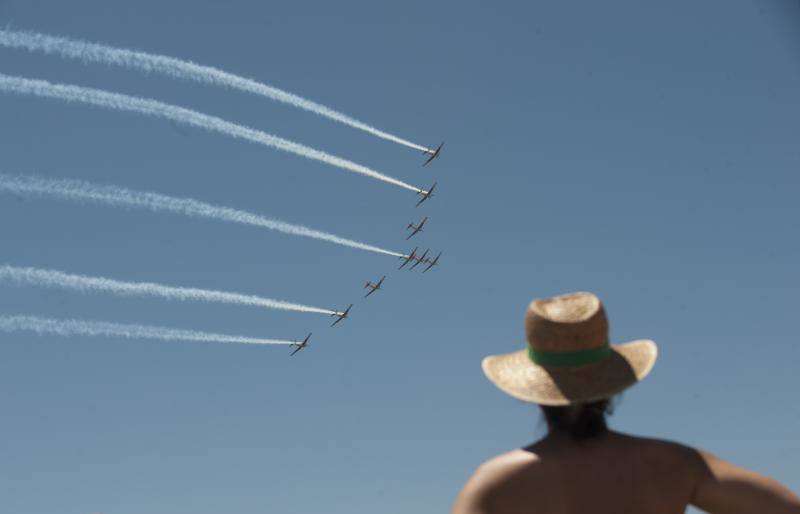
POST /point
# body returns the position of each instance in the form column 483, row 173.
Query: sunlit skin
column 616, row 473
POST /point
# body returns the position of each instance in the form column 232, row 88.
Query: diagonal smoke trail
column 76, row 190
column 53, row 278
column 116, row 101
column 72, row 327
column 179, row 69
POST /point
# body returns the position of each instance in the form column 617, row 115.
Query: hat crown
column 570, row 322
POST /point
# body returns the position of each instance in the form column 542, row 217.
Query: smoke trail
column 71, row 327
column 176, row 68
column 76, row 190
column 52, row 278
column 157, row 109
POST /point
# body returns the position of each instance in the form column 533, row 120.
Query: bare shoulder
column 498, row 470
column 666, row 453
column 725, row 487
column 509, row 463
column 490, row 477
column 714, row 484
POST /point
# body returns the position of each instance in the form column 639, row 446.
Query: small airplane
column 299, row 345
column 416, row 228
column 432, row 263
column 432, row 154
column 374, row 287
column 341, row 315
column 420, row 259
column 408, row 258
column 426, row 194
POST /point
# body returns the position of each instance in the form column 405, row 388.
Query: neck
column 579, row 421
column 559, row 439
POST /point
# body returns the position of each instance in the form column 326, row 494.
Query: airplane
column 408, row 258
column 341, row 315
column 374, row 287
column 299, row 345
column 432, row 263
column 433, row 154
column 420, row 259
column 416, row 228
column 426, row 194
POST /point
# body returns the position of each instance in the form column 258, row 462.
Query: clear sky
column 646, row 153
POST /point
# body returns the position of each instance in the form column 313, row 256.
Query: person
column 580, row 466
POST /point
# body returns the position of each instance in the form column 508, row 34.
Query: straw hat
column 569, row 359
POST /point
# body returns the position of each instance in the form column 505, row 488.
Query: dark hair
column 579, row 421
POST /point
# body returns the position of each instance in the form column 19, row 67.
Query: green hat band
column 573, row 358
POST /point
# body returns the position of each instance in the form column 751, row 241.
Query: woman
column 572, row 372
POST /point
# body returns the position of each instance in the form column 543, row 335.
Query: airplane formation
column 180, row 116
column 413, row 257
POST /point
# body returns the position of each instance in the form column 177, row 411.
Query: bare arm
column 724, row 488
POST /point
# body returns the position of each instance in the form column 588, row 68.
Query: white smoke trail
column 148, row 107
column 53, row 278
column 76, row 190
column 179, row 69
column 71, row 327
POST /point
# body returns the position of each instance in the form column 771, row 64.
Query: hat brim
column 515, row 374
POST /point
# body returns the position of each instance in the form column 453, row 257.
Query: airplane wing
column 380, row 282
column 433, row 263
column 433, row 153
column 417, row 228
column 420, row 260
column 370, row 292
column 408, row 258
column 426, row 194
column 300, row 345
column 342, row 315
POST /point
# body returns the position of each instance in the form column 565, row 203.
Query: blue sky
column 646, row 153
